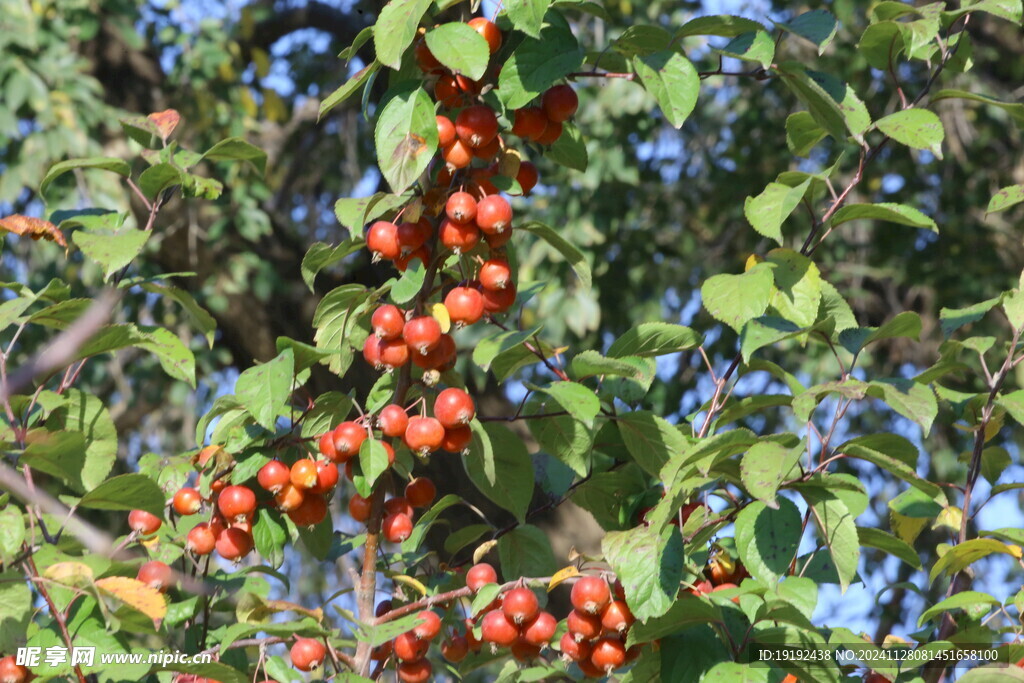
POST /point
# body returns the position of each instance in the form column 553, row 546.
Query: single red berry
column 608, row 654
column 476, row 125
column 441, row 357
column 527, row 177
column 617, row 617
column 454, row 408
column 418, row 671
column 457, row 440
column 429, row 625
column 394, row 354
column 236, row 503
column 498, row 239
column 201, row 539
column 303, row 474
column 326, row 477
column 425, row 59
column 382, row 652
column 465, row 305
column 457, row 237
column 520, row 605
column 474, row 643
column 348, row 438
column 187, row 501
column 481, row 177
column 397, row 528
column 495, row 274
column 560, row 103
column 540, row 630
column 393, row 420
column 422, row 254
column 493, row 214
column 453, row 91
column 143, row 522
column 359, row 508
column 489, row 30
column 455, row 649
column 529, row 123
column 524, row 651
column 550, row 134
column 573, row 649
column 457, row 155
column 312, row 511
column 422, row 334
column 445, row 131
column 398, row 506
column 371, row 354
column 155, row 574
column 409, row 648
column 461, row 207
column 290, row 497
column 480, row 575
column 411, row 237
column 498, row 630
column 387, row 322
column 499, row 300
column 420, row 492
column 583, row 626
column 590, row 594
column 489, row 151
column 275, row 474
column 424, row 435
column 308, row 654
column 234, row 544
column 382, row 241
column 12, row 672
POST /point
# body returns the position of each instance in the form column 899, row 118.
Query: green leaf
column 355, row 212
column 892, row 453
column 964, row 554
column 60, row 454
column 764, row 331
column 832, row 103
column 527, row 15
column 876, row 538
column 126, row 492
column 82, row 412
column 460, row 48
column 838, row 531
column 589, row 363
column 735, row 299
column 797, row 290
column 1005, row 9
column 333, row 320
column 654, row 339
column 396, row 28
column 642, row 39
column 803, row 133
column 175, row 358
column 202, row 319
column 405, row 137
column 1015, row 110
column 903, row 325
column 577, row 399
column 539, row 63
column 118, row 166
column 512, row 485
column 965, row 600
column 489, row 348
column 373, row 460
column 910, row 399
column 12, row 535
column 650, row 439
column 569, row 150
column 526, row 551
column 1013, row 403
column 649, row 564
column 917, row 128
column 111, row 250
column 765, row 466
column 673, row 82
column 565, row 438
column 1005, row 198
column 755, row 46
column 894, row 213
column 724, row 25
column 427, row 520
column 881, row 43
column 264, row 389
column 687, row 610
column 329, row 409
column 238, row 149
column 818, row 26
column 158, row 178
column 767, row 539
column 15, row 610
column 270, row 534
column 409, row 283
column 347, row 89
column 568, row 251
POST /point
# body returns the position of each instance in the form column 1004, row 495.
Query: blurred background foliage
column 658, row 210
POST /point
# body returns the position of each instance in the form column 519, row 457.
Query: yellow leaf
column 509, row 162
column 752, row 261
column 893, row 640
column 482, row 550
column 949, row 518
column 135, row 594
column 563, row 574
column 413, row 210
column 35, row 228
column 993, row 426
column 906, row 529
column 440, row 314
column 1015, row 550
column 69, row 573
column 411, row 582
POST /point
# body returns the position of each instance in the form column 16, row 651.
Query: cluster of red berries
column 410, row 648
column 597, row 628
column 398, row 511
column 12, row 672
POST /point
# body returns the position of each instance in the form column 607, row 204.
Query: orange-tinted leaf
column 33, row 227
column 135, row 594
column 203, row 456
column 166, row 121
